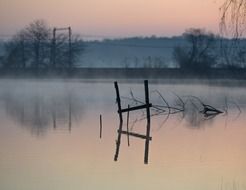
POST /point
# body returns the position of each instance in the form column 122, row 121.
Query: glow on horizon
column 113, row 17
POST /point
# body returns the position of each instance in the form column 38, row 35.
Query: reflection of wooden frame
column 69, row 116
column 146, row 106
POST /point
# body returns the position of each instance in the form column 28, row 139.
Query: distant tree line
column 206, row 50
column 33, row 47
column 202, row 53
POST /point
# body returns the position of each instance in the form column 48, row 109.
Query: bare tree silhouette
column 38, row 34
column 199, row 55
column 232, row 24
column 31, row 48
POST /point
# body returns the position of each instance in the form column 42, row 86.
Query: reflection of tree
column 38, row 113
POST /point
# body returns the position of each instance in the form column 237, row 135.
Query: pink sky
column 113, row 17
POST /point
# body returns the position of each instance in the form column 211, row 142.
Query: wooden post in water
column 54, row 118
column 121, row 121
column 146, row 154
column 70, row 116
column 127, row 127
column 146, row 137
column 100, row 126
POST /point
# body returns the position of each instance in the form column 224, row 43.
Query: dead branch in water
column 207, row 110
column 165, row 109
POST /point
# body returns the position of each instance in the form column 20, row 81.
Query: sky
column 116, row 18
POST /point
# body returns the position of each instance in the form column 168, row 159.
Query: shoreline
column 125, row 73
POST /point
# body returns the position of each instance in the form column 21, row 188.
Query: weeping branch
column 233, row 17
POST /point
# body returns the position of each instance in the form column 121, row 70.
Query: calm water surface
column 49, row 138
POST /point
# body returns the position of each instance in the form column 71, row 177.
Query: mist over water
column 49, row 137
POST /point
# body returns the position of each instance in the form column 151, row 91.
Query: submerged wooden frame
column 146, row 106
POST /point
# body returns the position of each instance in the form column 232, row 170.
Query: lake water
column 49, row 137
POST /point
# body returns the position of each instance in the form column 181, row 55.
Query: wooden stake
column 127, row 126
column 70, row 116
column 121, row 121
column 146, row 154
column 100, row 126
column 54, row 119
